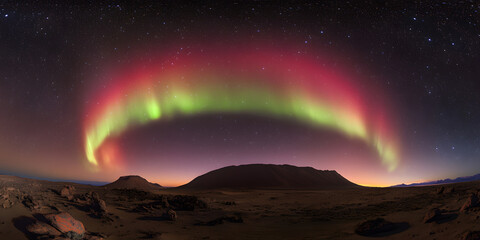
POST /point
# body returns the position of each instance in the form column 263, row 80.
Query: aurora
column 264, row 83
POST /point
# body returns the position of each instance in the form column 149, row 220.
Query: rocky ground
column 33, row 209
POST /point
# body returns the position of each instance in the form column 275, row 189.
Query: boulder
column 440, row 190
column 101, row 206
column 73, row 235
column 93, row 203
column 373, row 227
column 41, row 228
column 68, row 191
column 164, row 202
column 7, row 203
column 170, row 215
column 432, row 215
column 66, row 224
column 97, row 205
column 472, row 201
column 6, row 200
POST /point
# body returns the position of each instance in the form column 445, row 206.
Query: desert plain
column 132, row 208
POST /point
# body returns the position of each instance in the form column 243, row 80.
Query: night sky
column 382, row 93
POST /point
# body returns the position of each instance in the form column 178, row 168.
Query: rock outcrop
column 170, row 215
column 8, row 197
column 68, row 192
column 375, row 226
column 472, row 201
column 31, row 203
column 432, row 215
column 91, row 202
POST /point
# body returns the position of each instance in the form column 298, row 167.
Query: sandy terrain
column 255, row 214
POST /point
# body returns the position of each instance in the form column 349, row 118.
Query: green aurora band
column 166, row 96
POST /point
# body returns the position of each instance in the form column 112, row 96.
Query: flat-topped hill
column 269, row 176
column 133, row 182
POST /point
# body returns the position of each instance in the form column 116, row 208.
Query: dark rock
column 472, row 201
column 164, row 201
column 475, row 235
column 186, row 203
column 98, row 205
column 134, row 194
column 373, row 227
column 74, row 235
column 221, row 220
column 93, row 203
column 432, row 215
column 440, row 190
column 30, row 203
column 41, row 228
column 153, row 207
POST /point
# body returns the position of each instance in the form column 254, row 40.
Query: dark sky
column 422, row 58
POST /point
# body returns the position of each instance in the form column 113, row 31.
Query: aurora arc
column 262, row 84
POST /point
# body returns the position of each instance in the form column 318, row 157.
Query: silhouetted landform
column 133, row 182
column 444, row 181
column 269, row 176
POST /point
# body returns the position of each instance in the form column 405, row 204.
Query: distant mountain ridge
column 269, row 176
column 475, row 177
column 133, row 182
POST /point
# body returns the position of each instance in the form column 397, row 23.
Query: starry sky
column 416, row 62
